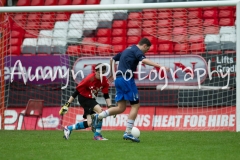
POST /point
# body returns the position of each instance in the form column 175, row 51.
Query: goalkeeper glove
column 110, row 106
column 64, row 109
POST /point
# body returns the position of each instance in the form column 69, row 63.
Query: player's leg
column 133, row 113
column 80, row 125
column 97, row 128
column 120, row 108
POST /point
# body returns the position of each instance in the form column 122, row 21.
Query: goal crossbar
column 119, row 6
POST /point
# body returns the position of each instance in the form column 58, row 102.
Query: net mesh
column 180, row 38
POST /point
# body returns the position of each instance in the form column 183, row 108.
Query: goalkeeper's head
column 100, row 69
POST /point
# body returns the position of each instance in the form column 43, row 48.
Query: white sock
column 130, row 124
column 103, row 114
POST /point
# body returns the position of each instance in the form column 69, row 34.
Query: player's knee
column 120, row 110
column 99, row 111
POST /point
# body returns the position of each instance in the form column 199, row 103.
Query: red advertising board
column 149, row 118
column 168, row 118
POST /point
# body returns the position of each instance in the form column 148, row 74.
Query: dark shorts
column 88, row 104
column 126, row 90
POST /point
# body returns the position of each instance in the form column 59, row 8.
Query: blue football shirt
column 129, row 59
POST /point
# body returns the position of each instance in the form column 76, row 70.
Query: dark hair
column 144, row 41
column 104, row 68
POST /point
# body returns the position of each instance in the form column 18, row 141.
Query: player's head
column 100, row 67
column 144, row 45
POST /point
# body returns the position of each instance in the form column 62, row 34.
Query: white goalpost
column 179, row 42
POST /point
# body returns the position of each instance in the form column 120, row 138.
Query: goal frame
column 150, row 6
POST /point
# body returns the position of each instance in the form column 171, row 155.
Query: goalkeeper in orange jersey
column 86, row 91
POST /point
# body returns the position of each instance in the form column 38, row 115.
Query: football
column 135, row 132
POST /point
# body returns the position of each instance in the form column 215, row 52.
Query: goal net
column 198, row 44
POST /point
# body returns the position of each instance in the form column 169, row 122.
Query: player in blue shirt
column 126, row 89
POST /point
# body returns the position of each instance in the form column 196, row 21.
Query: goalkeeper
column 86, row 91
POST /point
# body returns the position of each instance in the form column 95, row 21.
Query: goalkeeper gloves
column 64, row 109
column 110, row 106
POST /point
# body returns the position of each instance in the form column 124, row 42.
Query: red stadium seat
column 31, row 34
column 197, row 48
column 46, row 25
column 181, row 48
column 225, row 14
column 213, row 13
column 119, row 24
column 118, row 40
column 23, row 2
column 179, row 31
column 64, row 2
column 119, row 48
column 119, row 32
column 20, row 17
column 104, row 40
column 211, row 30
column 37, row 2
column 226, row 21
column 51, row 2
column 73, row 50
column 134, row 32
column 164, row 38
column 165, row 48
column 78, row 2
column 105, row 50
column 104, row 32
column 89, row 2
column 34, row 17
column 149, row 31
column 195, row 30
column 18, row 25
column 179, row 14
column 133, row 39
column 3, row 2
column 150, row 15
column 134, row 23
column 89, row 50
column 227, row 8
column 135, row 15
column 196, row 38
column 179, row 22
column 149, row 23
column 180, row 38
column 17, row 33
column 164, row 31
column 14, row 50
column 210, row 22
column 164, row 23
column 195, row 22
column 64, row 16
column 16, row 41
column 48, row 17
column 32, row 25
column 165, row 15
column 195, row 13
column 89, row 40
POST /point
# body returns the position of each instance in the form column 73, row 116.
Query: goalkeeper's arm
column 64, row 108
column 108, row 101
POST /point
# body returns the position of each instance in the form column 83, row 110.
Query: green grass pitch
column 154, row 145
